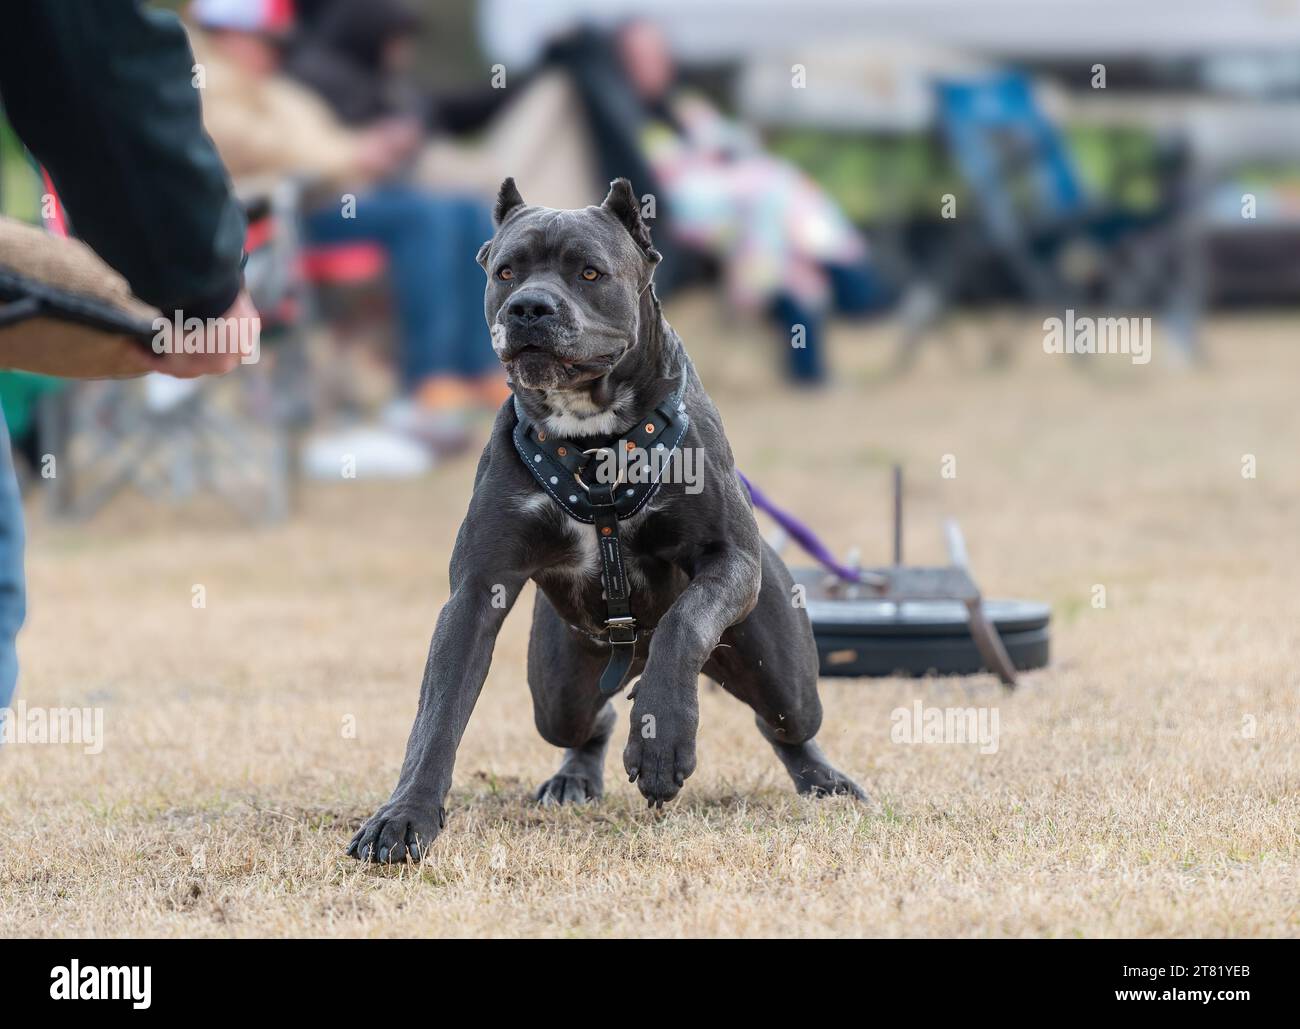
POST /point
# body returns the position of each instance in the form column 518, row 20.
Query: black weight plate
column 874, row 654
column 869, row 617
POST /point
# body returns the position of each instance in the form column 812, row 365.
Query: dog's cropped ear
column 508, row 199
column 483, row 254
column 623, row 204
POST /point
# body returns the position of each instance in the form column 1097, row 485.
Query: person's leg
column 473, row 354
column 799, row 328
column 857, row 288
column 417, row 231
column 13, row 593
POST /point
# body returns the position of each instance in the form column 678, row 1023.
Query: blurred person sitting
column 783, row 244
column 266, row 125
column 359, row 57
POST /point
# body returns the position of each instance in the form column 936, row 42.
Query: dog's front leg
column 458, row 662
column 660, row 752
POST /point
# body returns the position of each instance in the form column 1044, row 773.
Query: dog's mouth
column 537, row 368
column 533, row 351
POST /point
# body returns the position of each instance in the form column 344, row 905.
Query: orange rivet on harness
column 650, row 427
column 541, row 437
column 630, row 445
column 606, row 531
column 561, row 451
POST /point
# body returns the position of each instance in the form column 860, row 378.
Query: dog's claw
column 569, row 788
column 396, row 833
column 661, row 761
column 658, row 768
column 828, row 782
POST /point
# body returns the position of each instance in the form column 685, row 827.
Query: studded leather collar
column 634, row 462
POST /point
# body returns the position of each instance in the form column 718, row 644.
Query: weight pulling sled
column 910, row 620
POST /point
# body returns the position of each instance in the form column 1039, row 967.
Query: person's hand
column 374, row 155
column 403, row 135
column 386, row 144
column 228, row 341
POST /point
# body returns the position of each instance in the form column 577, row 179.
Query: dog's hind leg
column 581, row 776
column 770, row 662
column 813, row 775
column 563, row 672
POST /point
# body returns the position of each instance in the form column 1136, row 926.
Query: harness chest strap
column 620, row 623
column 557, row 465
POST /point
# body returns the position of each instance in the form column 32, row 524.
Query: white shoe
column 365, row 452
column 447, row 432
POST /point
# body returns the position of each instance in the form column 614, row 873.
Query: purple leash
column 805, row 537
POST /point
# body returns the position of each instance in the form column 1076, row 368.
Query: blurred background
column 944, row 172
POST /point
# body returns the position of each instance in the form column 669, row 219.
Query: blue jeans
column 805, row 363
column 13, row 592
column 431, row 241
column 855, row 290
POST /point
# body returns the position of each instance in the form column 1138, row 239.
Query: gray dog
column 638, row 572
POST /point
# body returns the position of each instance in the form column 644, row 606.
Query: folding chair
column 235, row 437
column 1035, row 222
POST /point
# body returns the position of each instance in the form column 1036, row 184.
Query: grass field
column 1147, row 783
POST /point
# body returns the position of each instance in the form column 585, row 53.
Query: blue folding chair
column 1036, row 222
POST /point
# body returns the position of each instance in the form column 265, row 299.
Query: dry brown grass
column 1125, row 798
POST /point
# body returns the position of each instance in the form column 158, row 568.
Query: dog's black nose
column 528, row 308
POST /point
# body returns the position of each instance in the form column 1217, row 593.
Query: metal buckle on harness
column 621, row 630
column 600, row 450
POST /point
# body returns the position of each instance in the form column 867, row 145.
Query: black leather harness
column 562, row 468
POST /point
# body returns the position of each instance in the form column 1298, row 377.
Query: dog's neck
column 612, row 404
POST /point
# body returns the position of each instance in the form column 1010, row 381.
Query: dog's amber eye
column 590, row 274
column 505, row 275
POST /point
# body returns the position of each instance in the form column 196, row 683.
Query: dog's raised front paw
column 397, row 832
column 660, row 752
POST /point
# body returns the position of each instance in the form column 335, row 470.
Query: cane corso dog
column 640, row 569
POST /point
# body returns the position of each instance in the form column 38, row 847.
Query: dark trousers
column 431, row 242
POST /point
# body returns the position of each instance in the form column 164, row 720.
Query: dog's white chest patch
column 585, row 561
column 583, row 536
column 534, row 503
column 574, row 414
